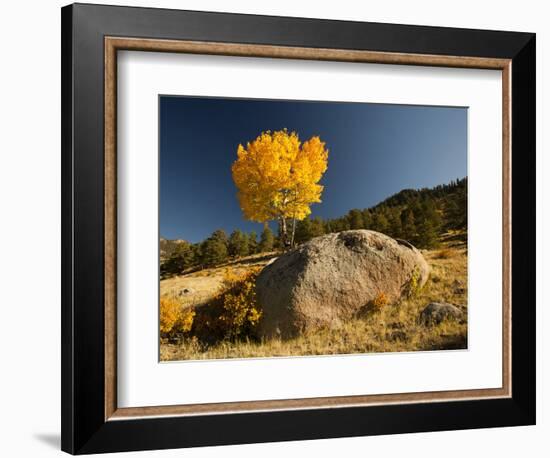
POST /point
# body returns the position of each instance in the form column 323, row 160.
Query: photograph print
column 297, row 228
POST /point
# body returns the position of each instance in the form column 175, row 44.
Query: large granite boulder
column 333, row 278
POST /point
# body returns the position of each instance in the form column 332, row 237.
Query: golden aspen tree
column 277, row 177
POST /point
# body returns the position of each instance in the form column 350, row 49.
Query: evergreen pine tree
column 408, row 228
column 303, row 231
column 367, row 219
column 394, row 222
column 428, row 224
column 252, row 242
column 317, row 227
column 380, row 222
column 267, row 240
column 214, row 248
column 355, row 218
column 238, row 244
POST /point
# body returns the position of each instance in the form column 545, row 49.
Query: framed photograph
column 281, row 228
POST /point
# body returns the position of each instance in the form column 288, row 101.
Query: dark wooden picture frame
column 91, row 37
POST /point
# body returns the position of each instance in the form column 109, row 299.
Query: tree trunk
column 284, row 232
column 293, row 232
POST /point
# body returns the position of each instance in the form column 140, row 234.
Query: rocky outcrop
column 333, row 278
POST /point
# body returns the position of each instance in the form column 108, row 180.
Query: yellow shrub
column 173, row 318
column 185, row 323
column 413, row 287
column 380, row 301
column 233, row 313
column 239, row 312
column 169, row 313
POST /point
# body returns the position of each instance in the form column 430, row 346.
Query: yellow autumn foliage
column 277, row 176
column 173, row 318
column 185, row 322
column 240, row 312
column 380, row 301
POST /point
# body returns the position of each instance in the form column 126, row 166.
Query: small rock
column 436, row 312
column 185, row 291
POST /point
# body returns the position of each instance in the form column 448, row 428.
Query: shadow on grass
column 453, row 342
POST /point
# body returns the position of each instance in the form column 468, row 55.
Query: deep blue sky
column 375, row 150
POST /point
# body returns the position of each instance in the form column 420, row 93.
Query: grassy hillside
column 198, row 287
column 393, row 328
column 208, row 303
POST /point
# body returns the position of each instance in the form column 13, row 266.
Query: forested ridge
column 419, row 216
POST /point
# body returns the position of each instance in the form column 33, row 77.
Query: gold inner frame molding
column 114, row 44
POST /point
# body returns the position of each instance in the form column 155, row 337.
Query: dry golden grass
column 445, row 253
column 204, row 285
column 392, row 328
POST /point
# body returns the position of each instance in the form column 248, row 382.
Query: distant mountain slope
column 168, row 247
column 420, row 216
column 450, row 191
column 417, row 215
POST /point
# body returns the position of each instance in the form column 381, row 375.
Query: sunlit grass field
column 393, row 328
